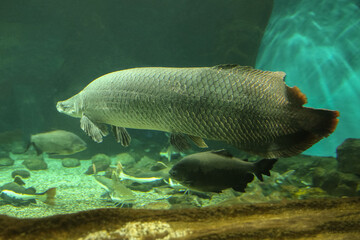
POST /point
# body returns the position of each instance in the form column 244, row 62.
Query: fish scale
column 252, row 109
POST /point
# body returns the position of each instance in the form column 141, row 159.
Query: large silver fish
column 252, row 109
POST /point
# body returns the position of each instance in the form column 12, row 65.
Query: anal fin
column 198, row 141
column 37, row 149
column 121, row 135
column 179, row 141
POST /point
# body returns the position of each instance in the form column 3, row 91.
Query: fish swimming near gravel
column 215, row 171
column 251, row 109
column 59, row 142
column 16, row 194
column 117, row 191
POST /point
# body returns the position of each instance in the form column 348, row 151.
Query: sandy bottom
column 75, row 191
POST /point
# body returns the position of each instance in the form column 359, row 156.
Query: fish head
column 182, row 172
column 71, row 106
column 78, row 145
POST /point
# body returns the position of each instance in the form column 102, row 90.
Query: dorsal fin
column 222, row 152
column 225, row 66
column 280, row 74
column 295, row 96
column 19, row 181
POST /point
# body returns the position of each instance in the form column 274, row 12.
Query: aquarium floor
column 75, row 191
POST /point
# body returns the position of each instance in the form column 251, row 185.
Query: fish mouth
column 67, row 107
column 62, row 108
column 172, row 173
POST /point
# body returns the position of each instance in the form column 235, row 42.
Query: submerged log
column 300, row 219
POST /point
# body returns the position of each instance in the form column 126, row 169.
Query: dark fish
column 215, row 171
column 252, row 109
column 58, row 142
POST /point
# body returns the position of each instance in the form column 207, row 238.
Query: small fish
column 57, row 142
column 47, row 197
column 14, row 193
column 117, row 191
column 215, row 171
column 124, row 176
column 251, row 109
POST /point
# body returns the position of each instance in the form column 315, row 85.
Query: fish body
column 12, row 196
column 124, row 176
column 58, row 142
column 215, row 171
column 16, row 194
column 117, row 191
column 251, row 109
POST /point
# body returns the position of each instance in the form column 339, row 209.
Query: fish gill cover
column 317, row 44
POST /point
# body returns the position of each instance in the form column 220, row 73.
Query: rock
column 145, row 163
column 103, row 158
column 5, row 161
column 70, row 162
column 348, row 156
column 185, row 199
column 101, row 162
column 125, row 159
column 18, row 147
column 22, row 173
column 336, row 183
column 35, row 164
column 3, row 153
column 310, row 193
column 303, row 163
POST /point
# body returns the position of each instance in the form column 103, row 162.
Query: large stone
column 125, row 159
column 20, row 172
column 100, row 162
column 6, row 162
column 70, row 162
column 348, row 156
column 35, row 163
column 336, row 183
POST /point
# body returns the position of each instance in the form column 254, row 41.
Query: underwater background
column 50, row 50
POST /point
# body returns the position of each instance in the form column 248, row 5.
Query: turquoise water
column 51, row 52
column 317, row 44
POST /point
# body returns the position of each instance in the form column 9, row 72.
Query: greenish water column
column 317, row 44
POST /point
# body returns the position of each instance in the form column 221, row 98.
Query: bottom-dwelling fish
column 117, row 191
column 16, row 194
column 215, row 171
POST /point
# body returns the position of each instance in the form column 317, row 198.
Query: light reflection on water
column 316, row 44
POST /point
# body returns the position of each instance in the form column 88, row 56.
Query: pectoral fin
column 37, row 149
column 198, row 141
column 121, row 135
column 95, row 130
column 223, row 152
